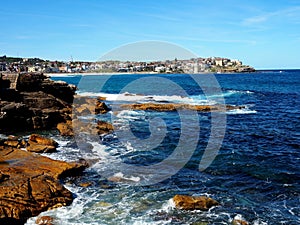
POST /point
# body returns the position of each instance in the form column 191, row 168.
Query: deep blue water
column 256, row 172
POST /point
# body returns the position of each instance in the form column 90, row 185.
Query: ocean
column 248, row 159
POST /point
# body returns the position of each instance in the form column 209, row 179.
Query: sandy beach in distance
column 95, row 74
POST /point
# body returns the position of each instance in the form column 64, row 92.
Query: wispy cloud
column 176, row 38
column 291, row 13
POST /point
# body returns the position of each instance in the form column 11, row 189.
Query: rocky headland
column 31, row 183
column 31, row 101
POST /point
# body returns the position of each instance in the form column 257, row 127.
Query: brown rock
column 34, row 102
column 14, row 144
column 38, row 139
column 39, row 144
column 86, row 184
column 44, row 220
column 104, row 127
column 239, row 222
column 65, row 129
column 178, row 106
column 194, row 202
column 40, row 148
column 101, row 108
column 101, row 98
column 29, row 184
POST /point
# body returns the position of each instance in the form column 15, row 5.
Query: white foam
column 241, row 111
column 128, row 97
column 131, row 178
column 168, row 206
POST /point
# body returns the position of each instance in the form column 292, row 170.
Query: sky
column 264, row 34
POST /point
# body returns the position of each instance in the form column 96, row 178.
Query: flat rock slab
column 29, row 184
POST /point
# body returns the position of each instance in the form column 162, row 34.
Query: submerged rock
column 186, row 202
column 29, row 184
column 161, row 107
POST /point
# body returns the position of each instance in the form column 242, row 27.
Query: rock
column 104, row 127
column 161, row 107
column 35, row 102
column 29, row 184
column 65, row 129
column 13, row 141
column 40, row 148
column 44, row 220
column 84, row 105
column 38, row 139
column 101, row 108
column 39, row 144
column 14, row 144
column 86, row 184
column 239, row 222
column 194, row 202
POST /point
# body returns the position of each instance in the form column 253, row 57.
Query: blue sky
column 264, row 34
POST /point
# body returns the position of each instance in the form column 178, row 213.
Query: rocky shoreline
column 31, row 183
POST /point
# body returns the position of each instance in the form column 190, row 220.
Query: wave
column 129, row 97
column 245, row 110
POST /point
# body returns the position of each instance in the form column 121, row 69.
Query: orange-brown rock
column 85, row 105
column 194, row 202
column 101, row 108
column 39, row 144
column 101, row 98
column 239, row 222
column 29, row 184
column 104, row 127
column 178, row 106
column 65, row 129
column 44, row 220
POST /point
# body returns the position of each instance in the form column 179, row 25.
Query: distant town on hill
column 194, row 65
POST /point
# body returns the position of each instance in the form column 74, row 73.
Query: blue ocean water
column 255, row 174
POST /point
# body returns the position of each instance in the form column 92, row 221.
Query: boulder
column 101, row 108
column 239, row 222
column 84, row 105
column 186, row 202
column 104, row 127
column 13, row 141
column 29, row 184
column 44, row 220
column 65, row 129
column 39, row 144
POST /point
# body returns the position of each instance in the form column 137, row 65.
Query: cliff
column 32, row 101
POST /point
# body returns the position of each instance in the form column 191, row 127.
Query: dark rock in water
column 186, row 202
column 29, row 184
column 104, row 127
column 101, row 108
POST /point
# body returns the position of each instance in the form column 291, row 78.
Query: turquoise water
column 255, row 174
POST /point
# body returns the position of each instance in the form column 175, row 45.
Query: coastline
column 96, row 74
